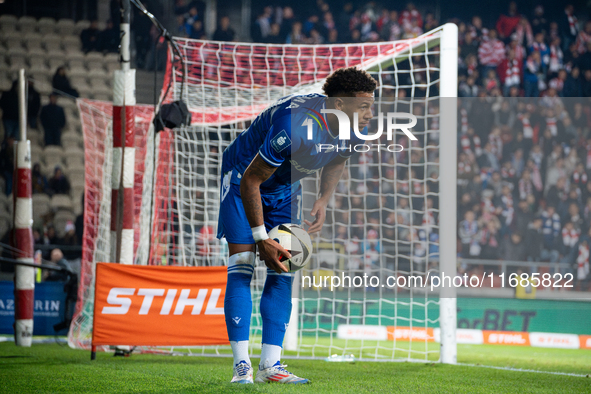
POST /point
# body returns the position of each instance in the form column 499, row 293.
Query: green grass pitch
column 54, row 368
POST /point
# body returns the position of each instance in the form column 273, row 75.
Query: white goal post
column 390, row 204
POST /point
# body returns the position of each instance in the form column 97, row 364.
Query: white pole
column 24, row 277
column 448, row 92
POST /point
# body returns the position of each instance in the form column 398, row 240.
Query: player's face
column 360, row 104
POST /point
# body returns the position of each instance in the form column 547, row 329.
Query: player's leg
column 276, row 299
column 234, row 226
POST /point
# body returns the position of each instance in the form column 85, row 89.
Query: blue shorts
column 278, row 208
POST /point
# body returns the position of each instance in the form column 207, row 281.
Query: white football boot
column 278, row 373
column 242, row 373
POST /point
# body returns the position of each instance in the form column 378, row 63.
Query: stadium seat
column 5, row 220
column 41, row 206
column 27, row 24
column 79, row 82
column 33, row 41
column 77, row 180
column 66, row 27
column 8, row 22
column 46, row 25
column 61, row 201
column 78, row 152
column 72, row 138
column 13, row 40
column 53, row 44
column 37, row 56
column 52, row 156
column 36, row 153
column 3, row 202
column 72, row 43
column 35, row 136
column 76, row 60
column 55, row 60
column 76, row 173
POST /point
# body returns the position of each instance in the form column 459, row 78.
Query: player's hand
column 319, row 213
column 270, row 252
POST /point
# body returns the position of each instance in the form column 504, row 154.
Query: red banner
column 159, row 306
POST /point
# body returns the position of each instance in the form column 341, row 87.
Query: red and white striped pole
column 122, row 200
column 24, row 278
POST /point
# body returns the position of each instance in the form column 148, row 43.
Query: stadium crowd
column 523, row 163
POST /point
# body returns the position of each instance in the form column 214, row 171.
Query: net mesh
column 382, row 219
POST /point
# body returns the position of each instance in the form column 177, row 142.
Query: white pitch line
column 525, row 370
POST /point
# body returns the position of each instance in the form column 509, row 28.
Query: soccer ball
column 296, row 241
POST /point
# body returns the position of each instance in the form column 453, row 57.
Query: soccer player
column 261, row 189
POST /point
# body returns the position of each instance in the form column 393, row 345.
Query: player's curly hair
column 345, row 82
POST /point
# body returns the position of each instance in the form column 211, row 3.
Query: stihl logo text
column 162, row 301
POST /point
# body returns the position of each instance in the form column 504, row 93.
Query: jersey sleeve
column 277, row 145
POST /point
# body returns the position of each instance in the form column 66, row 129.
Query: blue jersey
column 279, row 135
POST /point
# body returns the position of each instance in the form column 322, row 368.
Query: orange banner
column 585, row 341
column 506, row 338
column 159, row 306
column 408, row 333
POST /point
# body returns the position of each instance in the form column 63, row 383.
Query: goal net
column 384, row 219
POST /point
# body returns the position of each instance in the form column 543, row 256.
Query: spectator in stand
column 39, row 180
column 7, row 163
column 191, row 17
column 296, row 36
column 540, row 46
column 584, row 38
column 583, row 266
column 570, row 240
column 109, row 38
column 510, row 72
column 568, row 27
column 59, row 184
column 539, row 23
column 262, row 25
column 551, row 234
column 156, row 57
column 287, row 21
column 468, row 233
column 491, row 52
column 556, row 57
column 197, row 31
column 61, row 83
column 514, row 249
column 557, row 84
column 71, row 241
column 33, row 105
column 391, row 30
column 79, row 224
column 410, row 16
column 530, row 75
column 506, row 24
column 90, row 37
column 58, row 260
column 533, row 239
column 53, row 120
column 224, row 32
column 489, row 240
column 10, row 115
column 274, row 36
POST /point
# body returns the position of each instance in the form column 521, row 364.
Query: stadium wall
column 490, row 314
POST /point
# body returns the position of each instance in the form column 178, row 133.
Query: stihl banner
column 159, row 306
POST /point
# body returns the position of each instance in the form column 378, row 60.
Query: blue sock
column 276, row 307
column 238, row 302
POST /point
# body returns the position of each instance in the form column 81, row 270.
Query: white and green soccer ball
column 296, row 241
